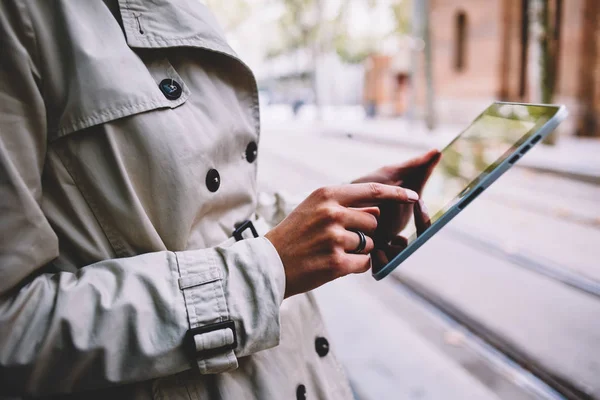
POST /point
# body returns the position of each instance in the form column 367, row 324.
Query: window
column 524, row 47
column 461, row 41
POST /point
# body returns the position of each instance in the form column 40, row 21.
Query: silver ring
column 362, row 243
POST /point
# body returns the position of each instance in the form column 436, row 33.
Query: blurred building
column 480, row 53
column 386, row 84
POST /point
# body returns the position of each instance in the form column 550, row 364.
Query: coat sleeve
column 120, row 320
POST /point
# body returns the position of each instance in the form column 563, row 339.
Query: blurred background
column 504, row 303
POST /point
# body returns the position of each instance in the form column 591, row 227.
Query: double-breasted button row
column 322, row 349
column 172, row 91
column 213, row 178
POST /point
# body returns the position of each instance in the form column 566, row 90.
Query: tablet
column 498, row 138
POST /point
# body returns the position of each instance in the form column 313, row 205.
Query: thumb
column 424, row 162
column 425, row 159
column 422, row 218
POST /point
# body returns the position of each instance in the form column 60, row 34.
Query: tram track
column 511, row 350
column 547, row 268
column 494, row 340
column 556, row 212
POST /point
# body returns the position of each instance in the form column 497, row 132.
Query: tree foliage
column 402, row 15
column 231, row 13
column 305, row 24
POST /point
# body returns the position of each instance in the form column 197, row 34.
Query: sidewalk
column 575, row 158
column 386, row 358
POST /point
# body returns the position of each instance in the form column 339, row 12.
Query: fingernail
column 412, row 195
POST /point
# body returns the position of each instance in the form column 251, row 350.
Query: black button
column 322, row 346
column 251, row 152
column 301, row 392
column 213, row 180
column 170, row 88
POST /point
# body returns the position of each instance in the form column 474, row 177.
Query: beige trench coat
column 127, row 156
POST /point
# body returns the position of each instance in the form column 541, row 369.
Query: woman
column 128, row 146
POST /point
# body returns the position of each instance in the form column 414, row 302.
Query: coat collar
column 172, row 23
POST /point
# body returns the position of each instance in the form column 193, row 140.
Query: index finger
column 371, row 194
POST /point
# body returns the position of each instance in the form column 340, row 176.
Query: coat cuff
column 243, row 282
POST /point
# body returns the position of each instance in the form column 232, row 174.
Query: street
column 523, row 260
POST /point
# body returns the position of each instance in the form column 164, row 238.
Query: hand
column 386, row 251
column 412, row 174
column 316, row 241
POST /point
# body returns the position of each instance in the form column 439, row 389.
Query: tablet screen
column 472, row 155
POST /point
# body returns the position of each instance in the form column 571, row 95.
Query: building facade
column 480, row 52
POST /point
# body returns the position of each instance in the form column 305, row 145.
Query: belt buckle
column 208, row 353
column 247, row 224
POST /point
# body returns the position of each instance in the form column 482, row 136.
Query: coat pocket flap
column 118, row 91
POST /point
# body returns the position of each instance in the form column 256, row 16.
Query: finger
column 388, row 251
column 358, row 263
column 359, row 221
column 425, row 160
column 422, row 174
column 374, row 211
column 422, row 218
column 378, row 258
column 368, row 194
column 393, row 250
column 399, row 241
column 432, row 163
column 351, row 242
column 431, row 156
